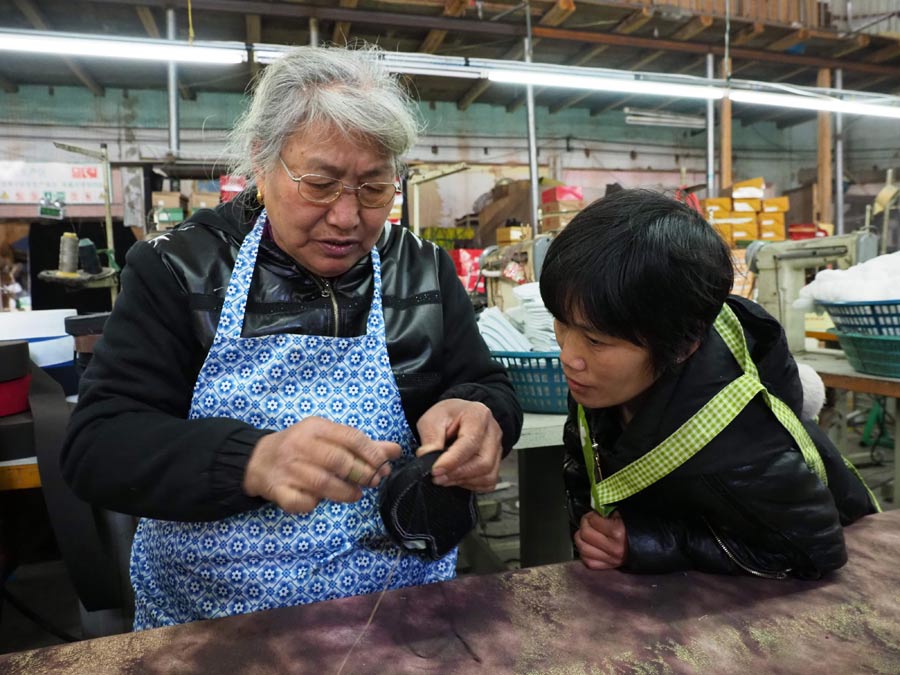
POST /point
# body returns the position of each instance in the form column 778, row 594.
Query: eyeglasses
column 323, row 190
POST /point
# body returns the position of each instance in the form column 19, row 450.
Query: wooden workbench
column 836, row 371
column 560, row 618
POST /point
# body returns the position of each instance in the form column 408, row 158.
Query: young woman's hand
column 601, row 542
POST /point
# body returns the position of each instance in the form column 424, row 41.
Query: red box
column 466, row 260
column 229, row 186
column 805, row 231
column 562, row 193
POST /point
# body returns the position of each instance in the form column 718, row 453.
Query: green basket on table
column 869, row 334
column 538, row 380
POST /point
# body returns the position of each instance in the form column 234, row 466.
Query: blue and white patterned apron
column 269, row 558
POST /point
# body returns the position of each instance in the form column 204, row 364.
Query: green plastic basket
column 538, row 379
column 872, row 354
column 877, row 317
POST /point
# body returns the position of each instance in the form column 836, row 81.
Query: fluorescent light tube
column 623, row 85
column 62, row 44
column 822, row 104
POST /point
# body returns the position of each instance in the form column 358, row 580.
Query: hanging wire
column 190, row 24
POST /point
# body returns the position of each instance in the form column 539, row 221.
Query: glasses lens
column 319, row 189
column 376, row 195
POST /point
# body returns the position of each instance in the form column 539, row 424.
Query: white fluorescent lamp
column 623, row 85
column 822, row 104
column 69, row 44
column 651, row 118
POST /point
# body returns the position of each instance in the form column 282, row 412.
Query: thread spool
column 68, row 253
column 87, row 256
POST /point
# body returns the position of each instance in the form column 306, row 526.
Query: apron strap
column 699, row 430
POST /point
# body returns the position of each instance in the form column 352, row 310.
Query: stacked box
column 510, row 235
column 203, row 200
column 562, row 193
column 467, row 269
column 168, row 209
column 558, row 214
column 716, row 205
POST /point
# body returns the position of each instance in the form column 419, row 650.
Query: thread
column 68, row 253
column 87, row 256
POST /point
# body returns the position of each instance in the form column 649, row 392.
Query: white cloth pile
column 538, row 321
column 499, row 333
column 875, row 279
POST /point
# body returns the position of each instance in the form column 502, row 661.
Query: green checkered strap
column 697, row 431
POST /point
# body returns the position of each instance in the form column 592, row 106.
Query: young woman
column 684, row 443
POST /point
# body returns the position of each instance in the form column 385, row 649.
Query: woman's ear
column 689, row 352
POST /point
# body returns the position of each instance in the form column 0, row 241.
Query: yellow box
column 510, row 235
column 772, row 232
column 557, row 221
column 777, row 205
column 716, row 205
column 752, row 188
column 775, row 219
column 746, row 205
column 724, row 230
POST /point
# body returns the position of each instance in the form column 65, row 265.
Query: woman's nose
column 569, row 354
column 344, row 212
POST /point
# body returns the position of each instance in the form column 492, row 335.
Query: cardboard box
column 168, row 218
column 562, row 193
column 777, row 205
column 771, row 232
column 746, row 205
column 753, row 188
column 563, row 206
column 716, row 204
column 168, row 200
column 466, row 260
column 771, row 220
column 229, row 186
column 557, row 221
column 724, row 230
column 744, row 231
column 510, row 235
column 203, row 200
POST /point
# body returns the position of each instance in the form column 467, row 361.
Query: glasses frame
column 344, row 187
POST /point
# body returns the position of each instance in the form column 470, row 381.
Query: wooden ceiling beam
column 693, row 28
column 583, row 57
column 149, row 23
column 435, row 38
column 482, row 86
column 790, row 75
column 559, row 12
column 634, row 21
column 646, row 60
column 859, row 42
column 253, row 32
column 885, row 53
column 747, row 34
column 36, row 19
column 278, row 8
column 341, row 33
column 788, row 41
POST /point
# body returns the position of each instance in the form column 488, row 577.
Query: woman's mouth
column 337, row 248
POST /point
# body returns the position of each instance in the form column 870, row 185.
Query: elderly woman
column 267, row 359
column 686, row 442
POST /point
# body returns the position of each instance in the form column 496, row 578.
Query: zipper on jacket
column 765, row 574
column 328, row 292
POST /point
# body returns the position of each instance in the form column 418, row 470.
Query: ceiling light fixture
column 71, row 44
column 651, row 118
column 811, row 102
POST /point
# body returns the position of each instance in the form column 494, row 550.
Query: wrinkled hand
column 601, row 542
column 313, row 460
column 473, row 440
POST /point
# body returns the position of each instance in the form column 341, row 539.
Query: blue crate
column 881, row 317
column 538, row 380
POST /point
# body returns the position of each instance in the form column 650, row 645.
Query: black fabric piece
column 15, row 361
column 16, row 436
column 423, row 517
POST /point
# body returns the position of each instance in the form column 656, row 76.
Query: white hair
column 345, row 90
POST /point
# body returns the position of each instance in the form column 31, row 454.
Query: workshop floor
column 44, row 589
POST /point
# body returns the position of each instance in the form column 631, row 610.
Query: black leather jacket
column 129, row 447
column 746, row 502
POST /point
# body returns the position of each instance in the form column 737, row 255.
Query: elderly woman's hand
column 313, row 460
column 601, row 542
column 473, row 440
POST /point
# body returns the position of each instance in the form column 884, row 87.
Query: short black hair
column 642, row 267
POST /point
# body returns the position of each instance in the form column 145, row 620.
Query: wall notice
column 27, row 182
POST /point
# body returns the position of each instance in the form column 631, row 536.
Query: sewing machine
column 784, row 267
